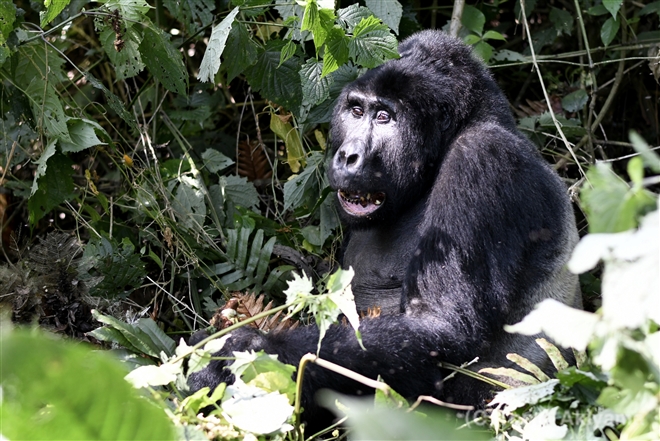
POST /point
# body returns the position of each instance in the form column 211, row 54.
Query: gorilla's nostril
column 352, row 159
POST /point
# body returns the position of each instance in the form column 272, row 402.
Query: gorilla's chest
column 380, row 258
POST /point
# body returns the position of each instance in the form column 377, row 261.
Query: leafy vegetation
column 160, row 161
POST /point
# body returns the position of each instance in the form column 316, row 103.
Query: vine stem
column 545, row 92
column 456, row 15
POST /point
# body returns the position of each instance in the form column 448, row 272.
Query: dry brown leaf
column 246, row 305
column 252, row 161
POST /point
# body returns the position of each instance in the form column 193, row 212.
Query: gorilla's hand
column 240, row 340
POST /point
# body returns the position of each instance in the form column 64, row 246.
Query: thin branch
column 456, row 15
column 545, row 92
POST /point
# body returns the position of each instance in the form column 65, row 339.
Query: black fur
column 468, row 230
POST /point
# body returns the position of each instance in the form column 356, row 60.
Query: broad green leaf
column 42, row 164
column 311, row 20
column 598, row 10
column 138, row 339
column 129, row 10
column 53, row 9
column 83, row 135
column 575, row 329
column 609, row 30
column 339, row 291
column 242, row 49
column 194, row 14
column 214, row 161
column 287, row 133
column 493, row 35
column 238, row 190
column 613, row 6
column 278, row 83
column 7, row 18
column 651, row 159
column 163, row 60
column 350, row 16
column 47, row 108
column 315, row 87
column 146, row 376
column 611, row 205
column 473, row 19
column 518, row 397
column 507, row 55
column 372, row 43
column 484, row 50
column 189, row 206
column 650, row 8
column 255, row 410
column 389, row 11
column 264, row 371
column 336, row 51
column 127, row 61
column 41, row 373
column 575, row 101
column 216, row 46
column 626, row 401
column 561, row 20
column 160, row 340
column 296, row 190
column 55, row 187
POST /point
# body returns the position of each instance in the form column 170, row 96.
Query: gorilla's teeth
column 378, row 202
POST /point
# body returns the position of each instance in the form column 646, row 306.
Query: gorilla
column 455, row 225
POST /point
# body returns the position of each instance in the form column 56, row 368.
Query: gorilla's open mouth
column 360, row 204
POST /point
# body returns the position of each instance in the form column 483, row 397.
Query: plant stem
column 545, row 92
column 456, row 16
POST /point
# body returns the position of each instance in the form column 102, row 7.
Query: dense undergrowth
column 162, row 171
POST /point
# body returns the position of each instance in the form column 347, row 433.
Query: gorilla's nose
column 349, row 158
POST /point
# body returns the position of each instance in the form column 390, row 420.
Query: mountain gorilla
column 455, row 227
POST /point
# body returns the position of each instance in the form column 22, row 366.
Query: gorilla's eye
column 382, row 116
column 357, row 111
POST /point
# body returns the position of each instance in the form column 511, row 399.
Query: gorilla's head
column 392, row 127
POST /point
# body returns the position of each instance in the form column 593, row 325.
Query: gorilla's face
column 380, row 162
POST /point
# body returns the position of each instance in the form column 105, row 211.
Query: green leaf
column 297, row 189
column 315, row 87
column 163, row 60
column 336, row 51
column 650, row 8
column 484, row 50
column 55, row 187
column 611, row 205
column 214, row 161
column 127, row 61
column 609, row 30
column 159, row 339
column 216, row 46
column 42, row 164
column 243, row 50
column 627, row 402
column 286, row 132
column 130, row 10
column 145, row 376
column 47, row 108
column 651, row 159
column 613, row 7
column 597, row 10
column 311, row 20
column 350, row 16
column 389, row 11
column 507, row 55
column 194, row 14
column 575, row 101
column 372, row 43
column 238, row 190
column 63, row 379
column 265, row 371
column 288, row 51
column 562, row 21
column 493, row 35
column 554, row 354
column 53, row 9
column 7, row 18
column 83, row 135
column 473, row 19
column 137, row 338
column 279, row 84
column 510, row 373
column 189, row 206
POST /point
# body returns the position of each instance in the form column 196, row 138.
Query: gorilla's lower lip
column 360, row 204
